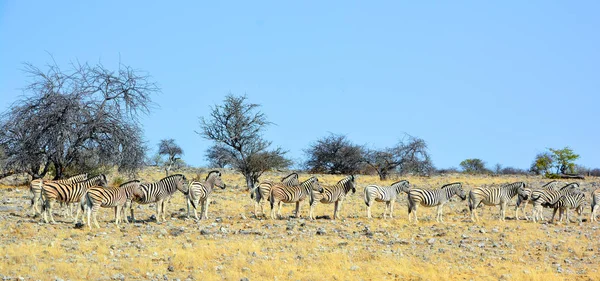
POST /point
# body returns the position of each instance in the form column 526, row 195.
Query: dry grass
column 233, row 244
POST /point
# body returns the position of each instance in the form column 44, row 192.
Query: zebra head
column 348, row 184
column 180, row 182
column 523, row 192
column 457, row 189
column 402, row 185
column 314, row 184
column 215, row 177
column 291, row 179
column 100, row 180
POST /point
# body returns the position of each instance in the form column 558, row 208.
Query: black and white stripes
column 492, row 196
column 158, row 192
column 333, row 194
column 433, row 197
column 387, row 194
column 67, row 193
column 199, row 192
column 281, row 193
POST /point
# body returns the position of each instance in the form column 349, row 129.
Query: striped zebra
column 281, row 193
column 387, row 194
column 67, row 193
column 433, row 197
column 595, row 203
column 542, row 197
column 36, row 190
column 158, row 192
column 333, row 194
column 492, row 196
column 522, row 203
column 199, row 191
column 262, row 190
column 570, row 200
column 110, row 197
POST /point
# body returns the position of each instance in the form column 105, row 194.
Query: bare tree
column 409, row 155
column 173, row 151
column 334, row 154
column 86, row 116
column 219, row 156
column 236, row 127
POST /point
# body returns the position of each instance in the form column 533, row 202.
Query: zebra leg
column 279, row 209
column 164, row 208
column 131, row 207
column 503, row 211
column 205, row 209
column 392, row 208
column 415, row 212
column 95, row 215
column 593, row 216
column 49, row 210
column 369, row 209
column 187, row 201
column 297, row 212
column 387, row 205
column 158, row 203
column 335, row 209
column 311, row 215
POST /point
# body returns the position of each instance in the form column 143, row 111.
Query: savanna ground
column 233, row 244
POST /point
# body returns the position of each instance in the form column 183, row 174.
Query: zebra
column 433, row 197
column 542, row 197
column 199, row 191
column 570, row 200
column 522, row 203
column 115, row 197
column 281, row 193
column 333, row 194
column 387, row 194
column 595, row 203
column 35, row 186
column 492, row 196
column 262, row 190
column 67, row 193
column 158, row 192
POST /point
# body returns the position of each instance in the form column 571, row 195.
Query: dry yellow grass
column 233, row 244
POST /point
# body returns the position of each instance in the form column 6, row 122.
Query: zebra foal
column 333, row 194
column 492, row 196
column 293, row 194
column 387, row 194
column 199, row 191
column 433, row 197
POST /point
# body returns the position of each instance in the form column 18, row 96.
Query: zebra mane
column 451, row 185
column 345, row 180
column 129, row 182
column 569, row 185
column 400, row 181
column 295, row 175
column 173, row 176
column 209, row 173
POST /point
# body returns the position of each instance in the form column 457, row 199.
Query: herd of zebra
column 92, row 193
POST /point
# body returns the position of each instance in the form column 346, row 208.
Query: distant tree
column 236, row 128
column 219, row 156
column 563, row 160
column 512, row 171
column 409, row 155
column 473, row 166
column 542, row 163
column 78, row 119
column 173, row 152
column 450, row 170
column 498, row 169
column 156, row 160
column 334, row 154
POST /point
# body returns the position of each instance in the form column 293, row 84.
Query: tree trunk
column 382, row 175
column 249, row 180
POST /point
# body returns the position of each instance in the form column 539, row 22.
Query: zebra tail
column 471, row 201
column 271, row 198
column 193, row 204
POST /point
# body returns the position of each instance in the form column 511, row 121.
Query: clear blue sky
column 500, row 80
